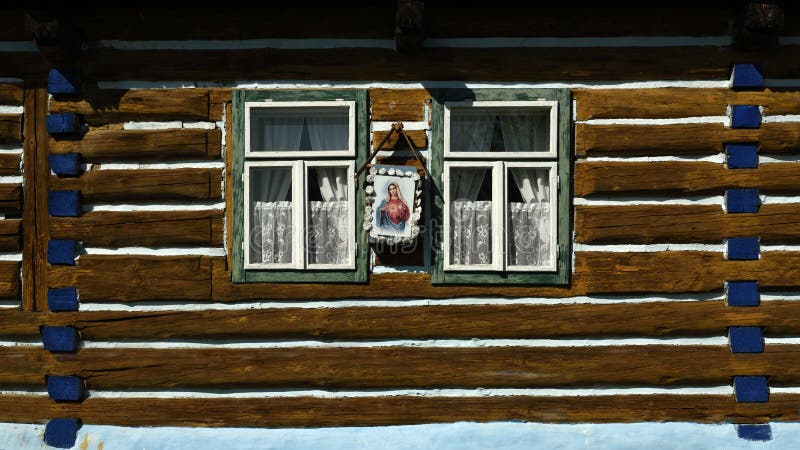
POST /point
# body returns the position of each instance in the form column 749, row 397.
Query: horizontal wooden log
column 400, row 367
column 119, row 105
column 146, row 185
column 10, row 237
column 150, row 145
column 130, row 278
column 666, row 224
column 437, row 63
column 399, row 410
column 678, row 102
column 603, row 178
column 11, row 199
column 10, row 128
column 418, row 138
column 141, row 228
column 778, row 318
column 10, row 163
column 703, row 138
column 9, row 279
column 11, row 94
column 398, row 104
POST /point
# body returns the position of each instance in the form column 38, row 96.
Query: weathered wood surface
column 399, row 410
column 11, row 199
column 141, row 228
column 666, row 224
column 11, row 94
column 10, row 128
column 10, row 163
column 145, row 185
column 143, row 145
column 681, row 178
column 418, row 138
column 678, row 102
column 702, row 138
column 398, row 104
column 10, row 285
column 10, row 235
column 97, row 278
column 663, row 319
column 400, row 367
column 120, row 105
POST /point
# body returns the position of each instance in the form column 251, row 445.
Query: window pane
column 270, row 234
column 470, row 192
column 299, row 129
column 528, row 216
column 499, row 129
column 328, row 238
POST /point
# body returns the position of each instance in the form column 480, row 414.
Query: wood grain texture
column 119, row 105
column 704, row 138
column 400, row 367
column 418, row 138
column 10, row 163
column 400, row 410
column 11, row 94
column 398, row 104
column 141, row 228
column 439, row 63
column 668, row 224
column 146, row 185
column 203, row 278
column 10, row 235
column 146, row 145
column 604, row 178
column 10, row 128
column 678, row 102
column 10, row 283
column 778, row 318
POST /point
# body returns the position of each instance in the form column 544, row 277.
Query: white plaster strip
column 780, row 248
column 9, row 304
column 649, row 248
column 717, row 158
column 617, row 201
column 725, row 120
column 4, row 109
column 784, row 390
column 168, row 125
column 202, row 251
column 322, row 84
column 18, row 81
column 10, row 149
column 18, row 46
column 436, row 343
column 10, row 256
column 772, row 159
column 155, row 207
column 12, row 179
column 386, row 126
column 161, row 166
column 360, row 303
column 782, row 82
column 481, row 392
column 781, row 118
column 247, row 44
column 21, row 344
column 31, row 392
column 775, row 296
column 782, row 341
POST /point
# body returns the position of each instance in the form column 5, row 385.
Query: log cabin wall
column 639, row 334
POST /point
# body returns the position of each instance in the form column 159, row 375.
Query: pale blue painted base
column 457, row 436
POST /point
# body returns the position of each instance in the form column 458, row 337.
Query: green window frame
column 240, row 273
column 560, row 156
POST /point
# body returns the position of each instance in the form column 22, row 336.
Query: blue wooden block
column 65, row 388
column 61, row 251
column 62, row 123
column 59, row 339
column 761, row 432
column 745, row 116
column 741, row 156
column 746, row 340
column 747, row 76
column 65, row 165
column 62, row 299
column 61, row 433
column 64, row 203
column 742, row 200
column 742, row 293
column 744, row 248
column 63, row 82
column 751, row 389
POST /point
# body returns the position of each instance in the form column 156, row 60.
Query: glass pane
column 299, row 129
column 270, row 234
column 477, row 129
column 529, row 215
column 470, row 192
column 328, row 235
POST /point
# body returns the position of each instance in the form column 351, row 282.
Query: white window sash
column 255, row 153
column 552, row 151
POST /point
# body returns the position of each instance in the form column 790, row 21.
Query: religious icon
column 395, row 199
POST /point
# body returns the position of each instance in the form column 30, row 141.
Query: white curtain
column 529, row 236
column 271, row 219
column 470, row 219
column 471, row 132
column 328, row 132
column 329, row 234
column 524, row 132
column 277, row 133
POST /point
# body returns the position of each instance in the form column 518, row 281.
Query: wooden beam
column 398, row 105
column 10, row 128
column 409, row 30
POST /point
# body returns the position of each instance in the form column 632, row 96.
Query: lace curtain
column 529, row 222
column 328, row 232
column 271, row 219
column 470, row 219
